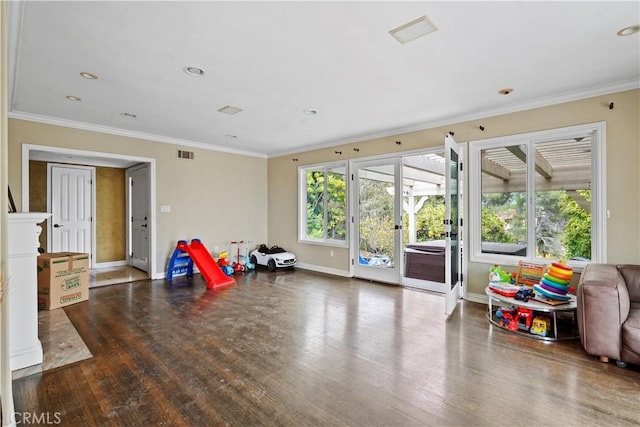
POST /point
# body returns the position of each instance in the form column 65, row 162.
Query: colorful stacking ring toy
column 554, row 287
column 555, row 282
column 550, row 278
column 551, row 295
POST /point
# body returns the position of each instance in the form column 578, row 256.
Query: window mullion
column 325, row 205
column 531, row 200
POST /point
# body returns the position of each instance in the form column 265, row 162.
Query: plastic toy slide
column 208, row 267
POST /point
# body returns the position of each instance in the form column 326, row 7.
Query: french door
column 377, row 219
column 453, row 248
column 376, row 215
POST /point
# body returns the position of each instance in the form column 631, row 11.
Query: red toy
column 524, row 318
column 201, row 257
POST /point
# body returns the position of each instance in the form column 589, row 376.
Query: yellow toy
column 540, row 326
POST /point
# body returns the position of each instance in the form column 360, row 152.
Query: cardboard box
column 63, row 279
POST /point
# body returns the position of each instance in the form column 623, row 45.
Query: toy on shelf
column 524, row 317
column 524, row 294
column 540, row 326
column 497, row 274
column 555, row 282
column 529, row 274
column 507, row 317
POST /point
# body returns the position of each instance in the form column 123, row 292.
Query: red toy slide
column 208, row 267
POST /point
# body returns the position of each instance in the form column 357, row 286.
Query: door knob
column 57, row 226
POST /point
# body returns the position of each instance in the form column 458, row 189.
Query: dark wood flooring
column 296, row 348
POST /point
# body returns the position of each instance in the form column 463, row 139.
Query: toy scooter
column 238, row 266
column 247, row 261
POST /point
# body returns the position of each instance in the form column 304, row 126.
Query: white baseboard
column 110, row 264
column 321, row 269
column 479, row 298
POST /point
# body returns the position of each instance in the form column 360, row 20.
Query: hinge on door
column 352, row 220
column 461, row 277
column 461, row 222
column 351, row 177
column 352, row 263
column 461, row 167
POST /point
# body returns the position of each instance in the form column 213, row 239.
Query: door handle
column 144, row 225
column 57, row 226
column 397, row 227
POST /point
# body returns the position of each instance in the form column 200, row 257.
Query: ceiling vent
column 187, row 155
column 414, row 29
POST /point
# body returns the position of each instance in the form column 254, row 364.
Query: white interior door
column 453, row 259
column 377, row 219
column 139, row 216
column 70, row 203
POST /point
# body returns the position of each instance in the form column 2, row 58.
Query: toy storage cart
column 562, row 318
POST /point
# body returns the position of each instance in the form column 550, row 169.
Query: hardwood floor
column 300, row 348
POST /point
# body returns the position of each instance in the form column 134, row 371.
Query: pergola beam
column 542, row 166
column 494, row 169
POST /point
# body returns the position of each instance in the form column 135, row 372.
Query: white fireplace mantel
column 21, row 298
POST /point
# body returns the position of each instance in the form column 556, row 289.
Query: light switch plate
column 165, row 208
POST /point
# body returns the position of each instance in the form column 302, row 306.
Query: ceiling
column 273, row 60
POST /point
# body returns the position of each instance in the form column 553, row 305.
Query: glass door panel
column 377, row 220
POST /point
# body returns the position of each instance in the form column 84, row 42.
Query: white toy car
column 273, row 257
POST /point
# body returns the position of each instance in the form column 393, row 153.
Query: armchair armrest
column 603, row 305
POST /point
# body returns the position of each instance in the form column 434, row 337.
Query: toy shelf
column 562, row 318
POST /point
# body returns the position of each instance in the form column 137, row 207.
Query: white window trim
column 598, row 191
column 302, row 205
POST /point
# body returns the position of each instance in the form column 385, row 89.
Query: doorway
column 405, row 215
column 70, row 200
column 137, row 230
column 80, row 157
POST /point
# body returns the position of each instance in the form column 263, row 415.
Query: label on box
column 66, row 299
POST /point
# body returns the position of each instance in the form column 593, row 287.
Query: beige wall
column 110, row 209
column 110, row 215
column 623, row 173
column 218, row 197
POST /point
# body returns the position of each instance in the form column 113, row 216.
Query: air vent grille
column 187, row 155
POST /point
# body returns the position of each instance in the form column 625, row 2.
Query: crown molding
column 128, row 133
column 484, row 114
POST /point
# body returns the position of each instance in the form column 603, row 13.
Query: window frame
column 598, row 192
column 302, row 204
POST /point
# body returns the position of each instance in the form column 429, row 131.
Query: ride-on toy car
column 273, row 257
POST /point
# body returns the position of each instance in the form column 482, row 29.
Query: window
column 323, row 204
column 539, row 196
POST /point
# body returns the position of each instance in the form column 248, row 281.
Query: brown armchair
column 609, row 312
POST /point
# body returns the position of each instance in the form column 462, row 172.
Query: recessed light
column 414, row 29
column 505, row 91
column 128, row 115
column 228, row 109
column 627, row 31
column 73, row 98
column 194, row 71
column 310, row 111
column 88, row 75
